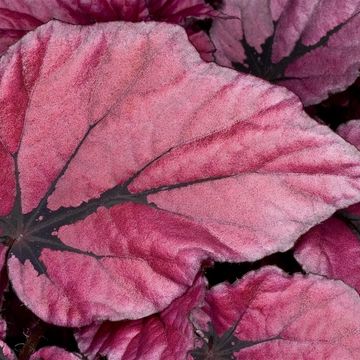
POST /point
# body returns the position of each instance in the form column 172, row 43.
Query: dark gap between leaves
column 216, row 4
column 26, row 332
column 338, row 108
column 230, row 272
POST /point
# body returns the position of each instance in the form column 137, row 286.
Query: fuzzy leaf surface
column 168, row 335
column 265, row 315
column 17, row 17
column 332, row 248
column 277, row 316
column 5, row 352
column 54, row 353
column 128, row 161
column 312, row 47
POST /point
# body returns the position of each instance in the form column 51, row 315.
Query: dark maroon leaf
column 176, row 11
column 202, row 43
column 17, row 17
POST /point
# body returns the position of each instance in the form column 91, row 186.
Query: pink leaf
column 18, row 17
column 265, row 315
column 54, row 353
column 202, row 44
column 350, row 131
column 275, row 316
column 132, row 162
column 5, row 352
column 333, row 247
column 167, row 335
column 309, row 46
column 176, row 11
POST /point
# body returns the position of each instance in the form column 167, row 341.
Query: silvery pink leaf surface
column 54, row 353
column 5, row 352
column 266, row 315
column 312, row 47
column 168, row 335
column 350, row 131
column 202, row 43
column 17, row 17
column 276, row 316
column 332, row 248
column 127, row 162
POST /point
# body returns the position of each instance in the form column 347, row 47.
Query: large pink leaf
column 333, row 247
column 54, row 353
column 164, row 336
column 311, row 46
column 130, row 161
column 17, row 17
column 269, row 315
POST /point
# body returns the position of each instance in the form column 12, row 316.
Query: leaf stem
column 37, row 332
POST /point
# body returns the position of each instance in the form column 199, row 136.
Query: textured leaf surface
column 312, row 47
column 266, row 315
column 5, row 352
column 130, row 161
column 333, row 247
column 17, row 17
column 351, row 132
column 203, row 44
column 54, row 353
column 283, row 317
column 168, row 335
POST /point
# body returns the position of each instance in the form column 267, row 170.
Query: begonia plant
column 145, row 142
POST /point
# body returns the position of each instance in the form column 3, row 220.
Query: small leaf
column 54, row 353
column 176, row 11
column 5, row 352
